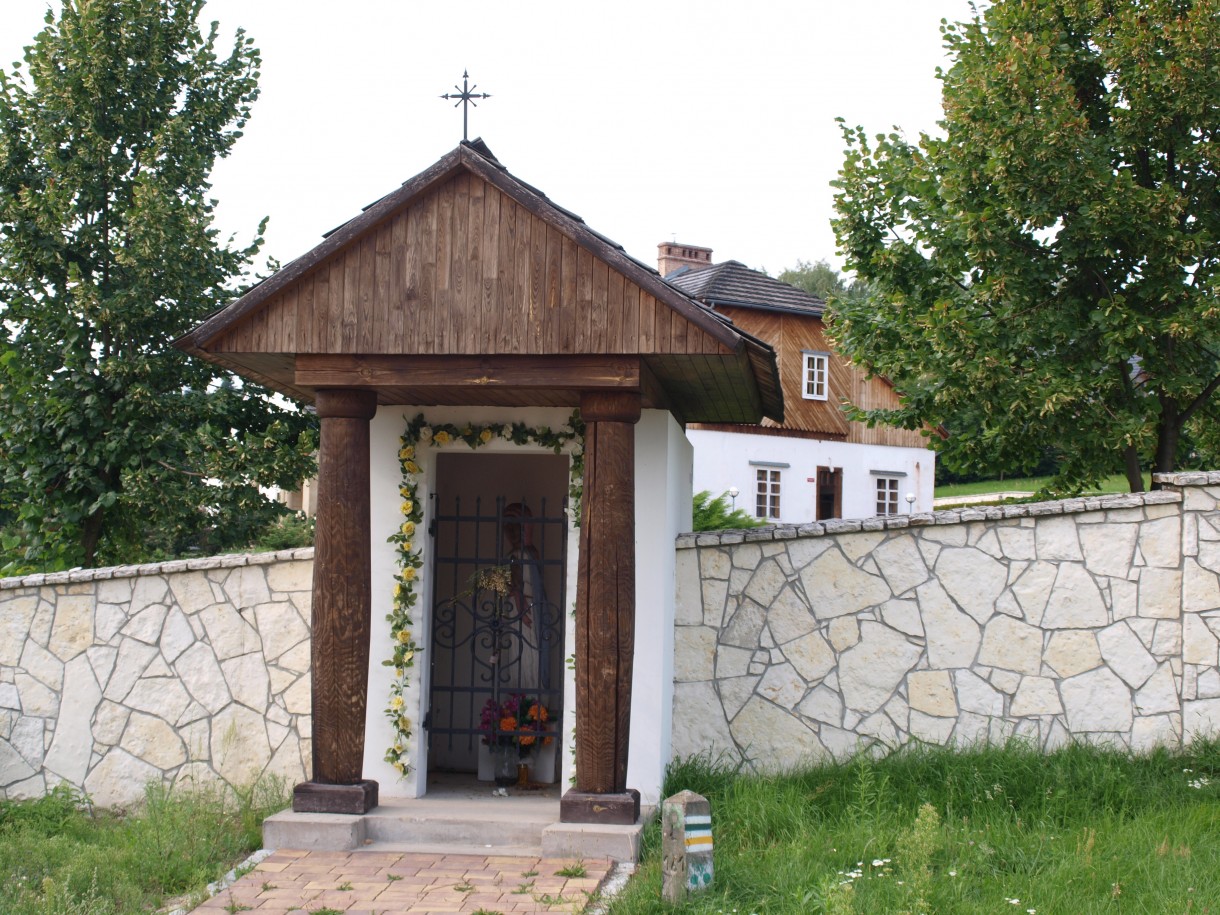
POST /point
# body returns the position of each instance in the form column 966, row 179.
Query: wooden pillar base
column 618, row 809
column 313, row 797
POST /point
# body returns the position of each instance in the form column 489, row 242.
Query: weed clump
column 59, row 855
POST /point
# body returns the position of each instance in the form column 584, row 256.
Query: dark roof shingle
column 733, row 283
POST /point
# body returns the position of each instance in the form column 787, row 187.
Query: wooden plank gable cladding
column 792, row 335
column 467, row 262
column 478, row 275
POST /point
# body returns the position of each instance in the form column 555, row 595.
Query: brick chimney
column 672, row 255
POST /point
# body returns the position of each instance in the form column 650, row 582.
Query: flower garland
column 420, row 432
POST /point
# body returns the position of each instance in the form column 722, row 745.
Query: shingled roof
column 733, row 283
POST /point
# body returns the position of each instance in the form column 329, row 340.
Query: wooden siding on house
column 464, row 269
column 792, row 335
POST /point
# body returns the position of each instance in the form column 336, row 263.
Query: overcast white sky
column 706, row 121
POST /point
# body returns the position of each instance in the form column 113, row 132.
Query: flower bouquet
column 519, row 721
column 513, row 730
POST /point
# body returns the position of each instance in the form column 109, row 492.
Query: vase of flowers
column 514, row 728
column 504, row 766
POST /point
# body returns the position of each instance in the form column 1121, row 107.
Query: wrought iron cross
column 465, row 97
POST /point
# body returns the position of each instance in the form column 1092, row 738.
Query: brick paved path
column 389, row 883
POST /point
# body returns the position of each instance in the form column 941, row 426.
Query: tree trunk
column 91, row 534
column 1131, row 462
column 1169, row 432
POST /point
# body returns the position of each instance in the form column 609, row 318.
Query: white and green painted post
column 686, row 845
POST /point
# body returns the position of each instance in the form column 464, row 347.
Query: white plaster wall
column 722, row 461
column 662, row 511
column 385, row 478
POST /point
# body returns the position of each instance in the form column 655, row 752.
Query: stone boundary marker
column 686, row 846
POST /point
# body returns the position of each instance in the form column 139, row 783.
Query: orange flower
column 508, row 723
column 526, row 740
column 538, row 712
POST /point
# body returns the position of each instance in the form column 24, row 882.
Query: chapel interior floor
column 463, row 786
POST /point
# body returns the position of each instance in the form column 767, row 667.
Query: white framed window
column 815, row 384
column 887, row 495
column 766, row 500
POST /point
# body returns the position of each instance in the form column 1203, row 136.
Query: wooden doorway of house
column 829, row 494
column 499, row 529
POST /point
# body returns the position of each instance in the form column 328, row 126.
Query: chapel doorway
column 499, row 530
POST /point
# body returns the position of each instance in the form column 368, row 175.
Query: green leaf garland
column 420, row 433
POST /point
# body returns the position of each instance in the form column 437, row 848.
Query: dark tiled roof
column 733, row 283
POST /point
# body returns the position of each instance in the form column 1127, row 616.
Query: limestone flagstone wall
column 1091, row 619
column 188, row 670
column 1096, row 619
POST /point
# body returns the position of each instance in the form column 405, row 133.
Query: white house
column 816, row 464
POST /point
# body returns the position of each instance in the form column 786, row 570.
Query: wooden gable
column 464, row 269
column 792, row 335
column 477, row 277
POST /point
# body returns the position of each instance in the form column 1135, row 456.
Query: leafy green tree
column 114, row 445
column 716, row 515
column 823, row 280
column 1045, row 272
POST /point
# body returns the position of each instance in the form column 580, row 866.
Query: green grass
column 59, row 857
column 1116, row 483
column 1081, row 831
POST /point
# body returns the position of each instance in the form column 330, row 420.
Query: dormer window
column 815, row 376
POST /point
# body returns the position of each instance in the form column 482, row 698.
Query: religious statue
column 526, row 603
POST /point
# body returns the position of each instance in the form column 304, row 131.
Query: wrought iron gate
column 497, row 623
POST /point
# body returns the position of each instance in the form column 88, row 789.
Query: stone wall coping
column 1189, row 478
column 202, row 563
column 774, row 532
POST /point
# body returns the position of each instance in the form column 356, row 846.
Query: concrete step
column 492, row 822
column 458, row 816
column 473, row 818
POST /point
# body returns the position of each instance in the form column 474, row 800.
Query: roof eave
column 714, row 301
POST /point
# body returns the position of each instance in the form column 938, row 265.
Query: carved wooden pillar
column 605, row 614
column 342, row 607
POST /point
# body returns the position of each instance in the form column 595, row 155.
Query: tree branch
column 189, row 473
column 1201, row 399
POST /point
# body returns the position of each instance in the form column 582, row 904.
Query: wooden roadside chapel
column 468, row 295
